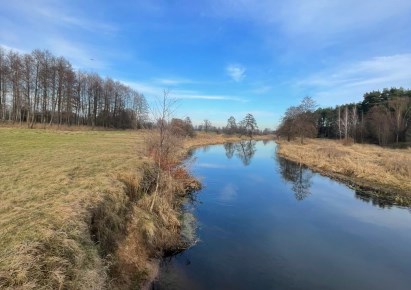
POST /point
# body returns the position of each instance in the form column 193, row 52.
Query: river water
column 266, row 223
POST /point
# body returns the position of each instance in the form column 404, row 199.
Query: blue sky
column 224, row 57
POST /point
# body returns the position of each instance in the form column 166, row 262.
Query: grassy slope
column 49, row 180
column 374, row 167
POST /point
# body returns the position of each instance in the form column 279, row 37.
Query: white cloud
column 148, row 89
column 183, row 94
column 349, row 82
column 236, row 72
column 153, row 90
column 318, row 18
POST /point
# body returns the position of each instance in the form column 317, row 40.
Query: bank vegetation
column 369, row 167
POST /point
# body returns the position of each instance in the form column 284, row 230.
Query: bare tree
column 354, row 122
column 379, row 123
column 299, row 121
column 401, row 110
column 42, row 88
column 207, row 125
column 3, row 83
column 164, row 143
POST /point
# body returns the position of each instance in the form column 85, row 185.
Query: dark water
column 266, row 223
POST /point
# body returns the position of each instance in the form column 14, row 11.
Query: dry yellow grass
column 382, row 169
column 62, row 191
column 50, row 181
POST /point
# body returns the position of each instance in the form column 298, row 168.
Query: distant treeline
column 42, row 88
column 383, row 117
column 247, row 126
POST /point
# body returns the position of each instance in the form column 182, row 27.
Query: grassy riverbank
column 76, row 212
column 368, row 166
column 52, row 184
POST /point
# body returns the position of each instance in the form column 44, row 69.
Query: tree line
column 383, row 117
column 247, row 127
column 39, row 87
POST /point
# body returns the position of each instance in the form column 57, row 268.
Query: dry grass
column 75, row 208
column 383, row 169
column 50, row 182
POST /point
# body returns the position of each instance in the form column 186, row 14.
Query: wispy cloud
column 263, row 89
column 350, row 81
column 172, row 81
column 194, row 95
column 236, row 72
column 49, row 24
column 147, row 89
column 81, row 57
column 156, row 89
column 314, row 17
column 44, row 13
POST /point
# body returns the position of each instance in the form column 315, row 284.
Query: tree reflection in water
column 298, row 175
column 229, row 150
column 384, row 200
column 244, row 150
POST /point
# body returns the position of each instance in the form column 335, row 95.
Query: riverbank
column 369, row 167
column 204, row 139
column 77, row 210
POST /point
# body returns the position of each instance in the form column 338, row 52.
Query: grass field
column 370, row 166
column 49, row 182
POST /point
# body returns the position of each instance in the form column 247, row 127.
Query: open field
column 369, row 166
column 70, row 198
column 50, row 182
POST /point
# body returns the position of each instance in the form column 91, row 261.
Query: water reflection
column 244, row 150
column 327, row 242
column 206, row 148
column 265, row 142
column 298, row 175
column 383, row 200
column 229, row 150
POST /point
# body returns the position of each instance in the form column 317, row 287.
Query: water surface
column 267, row 223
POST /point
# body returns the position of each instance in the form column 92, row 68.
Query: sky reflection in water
column 267, row 223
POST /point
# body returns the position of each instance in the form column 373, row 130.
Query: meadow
column 51, row 180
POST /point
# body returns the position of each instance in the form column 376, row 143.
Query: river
column 266, row 223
